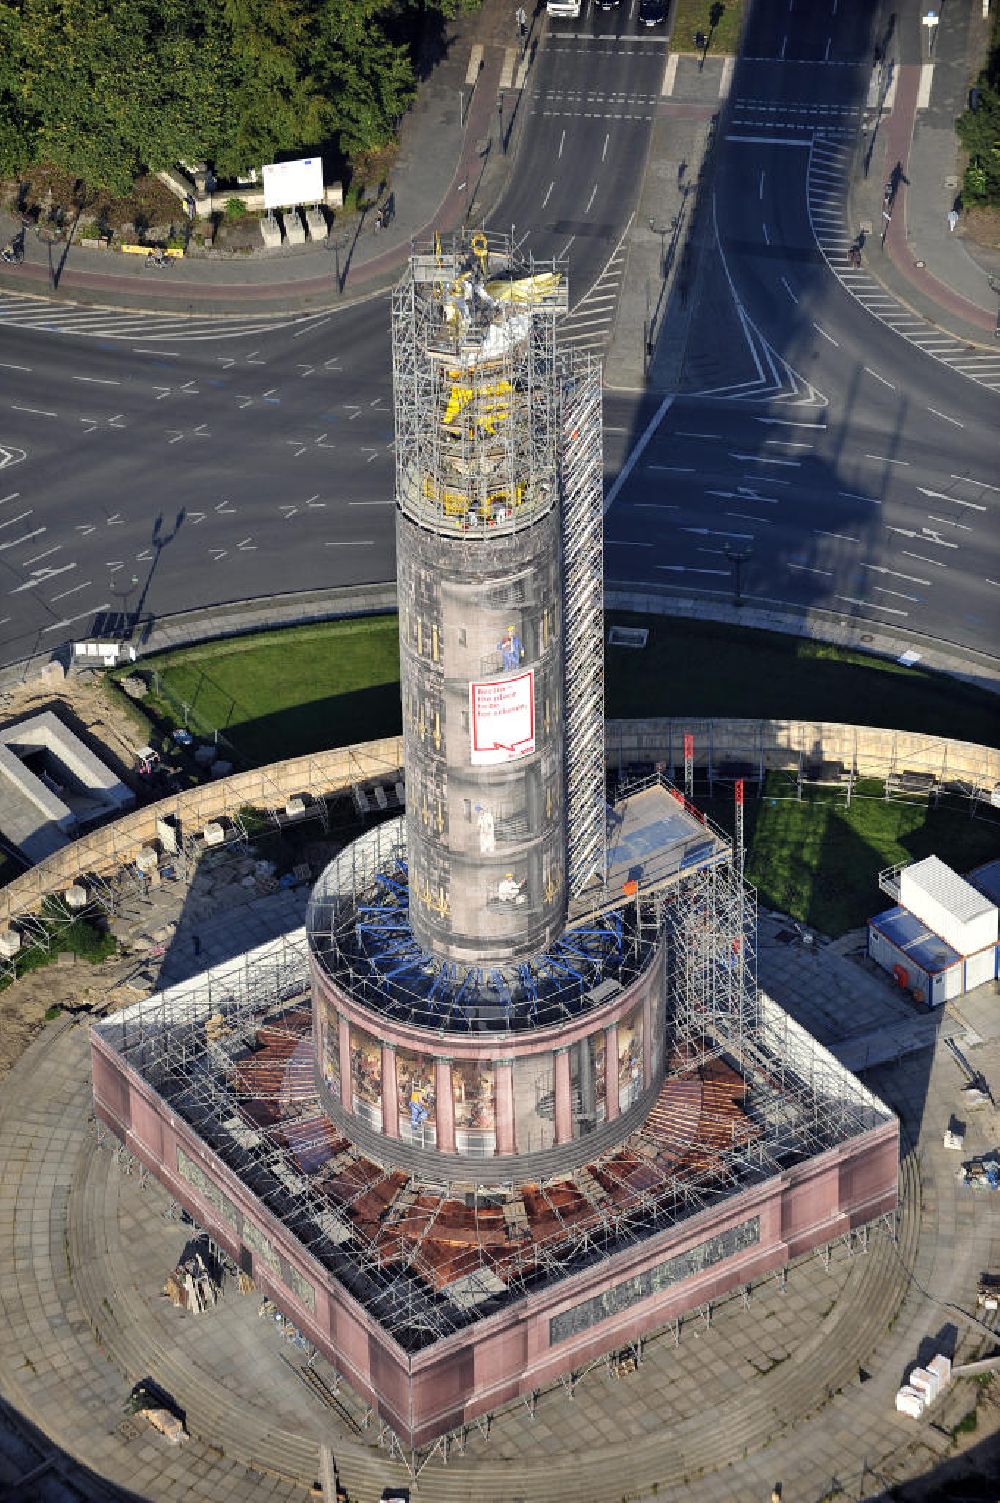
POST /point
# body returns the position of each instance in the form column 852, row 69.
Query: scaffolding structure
column 191, row 1043
column 582, row 491
column 476, row 406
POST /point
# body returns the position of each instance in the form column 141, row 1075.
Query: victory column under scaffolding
column 512, row 1098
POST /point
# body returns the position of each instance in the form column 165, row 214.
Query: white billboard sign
column 502, row 719
column 289, row 183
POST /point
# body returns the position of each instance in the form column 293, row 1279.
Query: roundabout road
column 154, row 464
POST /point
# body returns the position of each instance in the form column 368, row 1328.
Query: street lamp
column 738, row 557
column 661, row 230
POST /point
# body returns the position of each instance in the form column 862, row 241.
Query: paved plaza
column 791, row 1381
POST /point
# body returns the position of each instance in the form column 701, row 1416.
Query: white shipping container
column 909, row 1401
column 925, row 1382
column 948, row 905
column 980, row 968
column 941, row 1365
column 946, row 985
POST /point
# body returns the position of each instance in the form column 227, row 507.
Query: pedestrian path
column 827, row 189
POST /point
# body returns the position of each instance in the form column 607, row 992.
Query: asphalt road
column 852, row 469
column 154, row 466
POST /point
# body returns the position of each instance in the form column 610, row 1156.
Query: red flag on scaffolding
column 630, row 888
column 739, row 790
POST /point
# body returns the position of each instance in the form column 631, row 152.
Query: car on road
column 652, row 12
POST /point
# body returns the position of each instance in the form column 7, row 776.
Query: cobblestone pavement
column 795, row 1383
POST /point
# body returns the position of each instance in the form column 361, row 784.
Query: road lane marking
column 810, row 569
column 38, row 411
column 949, row 522
column 787, row 423
column 945, row 417
column 842, row 537
column 853, row 496
column 638, row 451
column 548, row 194
column 791, row 294
column 825, row 335
column 884, row 459
column 74, row 591
column 889, row 609
column 923, row 560
column 767, row 238
column 971, row 480
column 768, row 141
column 590, row 200
column 955, row 500
column 97, row 380
column 795, row 464
column 869, row 372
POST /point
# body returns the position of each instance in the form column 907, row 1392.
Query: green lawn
column 281, row 694
column 699, row 668
column 691, row 16
column 819, row 860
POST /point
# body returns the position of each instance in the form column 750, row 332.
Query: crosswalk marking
column 826, row 188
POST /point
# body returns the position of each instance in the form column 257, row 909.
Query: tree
column 366, row 78
column 979, row 132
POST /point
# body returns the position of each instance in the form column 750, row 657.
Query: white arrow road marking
column 247, row 545
column 218, row 553
column 40, row 576
column 93, row 611
column 225, row 508
column 195, row 517
column 883, row 569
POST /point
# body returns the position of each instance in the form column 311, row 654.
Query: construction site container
column 909, row 1401
column 922, row 962
column 949, row 905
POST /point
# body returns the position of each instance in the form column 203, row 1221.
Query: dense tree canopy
column 106, row 88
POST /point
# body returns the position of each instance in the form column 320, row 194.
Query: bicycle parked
column 13, row 252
